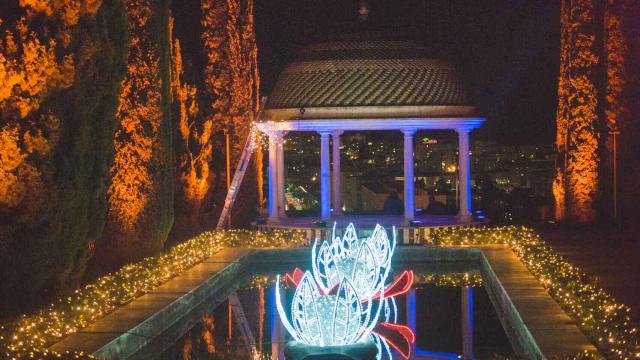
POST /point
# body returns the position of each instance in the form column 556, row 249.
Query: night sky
column 507, row 51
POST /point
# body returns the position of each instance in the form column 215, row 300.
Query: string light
column 30, row 335
column 597, row 313
column 453, row 279
column 358, row 269
column 599, row 316
column 365, row 262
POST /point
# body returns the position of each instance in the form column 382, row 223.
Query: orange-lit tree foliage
column 60, row 65
column 562, row 116
column 576, row 183
column 261, row 315
column 245, row 101
column 194, row 149
column 140, row 196
column 199, row 342
column 215, row 96
column 217, row 74
column 231, row 83
column 616, row 50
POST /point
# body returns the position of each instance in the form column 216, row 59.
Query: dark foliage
column 50, row 255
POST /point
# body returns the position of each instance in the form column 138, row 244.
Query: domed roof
column 386, row 77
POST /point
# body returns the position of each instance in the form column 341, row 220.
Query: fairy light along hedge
column 597, row 313
column 454, row 279
column 29, row 335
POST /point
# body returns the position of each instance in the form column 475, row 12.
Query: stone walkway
column 125, row 319
column 555, row 333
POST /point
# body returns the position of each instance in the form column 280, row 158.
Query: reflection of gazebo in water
column 358, row 85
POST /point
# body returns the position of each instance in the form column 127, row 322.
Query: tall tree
column 562, row 116
column 194, row 149
column 140, row 197
column 60, row 68
column 231, row 80
column 214, row 97
column 245, row 82
column 576, row 183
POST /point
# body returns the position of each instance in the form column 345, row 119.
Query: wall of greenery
column 57, row 203
column 98, row 130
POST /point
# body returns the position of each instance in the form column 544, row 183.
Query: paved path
column 553, row 330
column 103, row 331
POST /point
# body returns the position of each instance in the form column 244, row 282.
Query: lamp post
column 615, row 133
column 228, row 156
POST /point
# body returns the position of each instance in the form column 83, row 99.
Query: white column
column 273, row 186
column 467, row 323
column 325, row 190
column 336, row 186
column 281, row 176
column 464, row 174
column 409, row 191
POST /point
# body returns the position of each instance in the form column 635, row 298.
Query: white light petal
column 304, row 310
column 283, row 315
column 365, row 275
column 347, row 314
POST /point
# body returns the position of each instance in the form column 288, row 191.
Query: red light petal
column 293, row 280
column 400, row 337
column 401, row 285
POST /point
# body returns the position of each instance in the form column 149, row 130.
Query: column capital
column 337, row 132
column 275, row 133
column 325, row 133
column 408, row 132
column 463, row 130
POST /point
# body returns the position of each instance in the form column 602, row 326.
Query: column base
column 465, row 218
column 273, row 220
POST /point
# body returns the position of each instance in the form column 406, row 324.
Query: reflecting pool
column 447, row 309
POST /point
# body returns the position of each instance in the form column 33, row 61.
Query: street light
column 615, row 176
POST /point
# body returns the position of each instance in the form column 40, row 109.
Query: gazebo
column 364, row 85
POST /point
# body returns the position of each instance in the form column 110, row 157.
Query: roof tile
column 367, row 73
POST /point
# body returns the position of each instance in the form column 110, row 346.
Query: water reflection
column 466, row 326
column 442, row 317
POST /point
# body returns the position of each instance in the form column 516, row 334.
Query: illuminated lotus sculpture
column 342, row 301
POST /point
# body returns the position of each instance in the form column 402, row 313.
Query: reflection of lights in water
column 341, row 301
